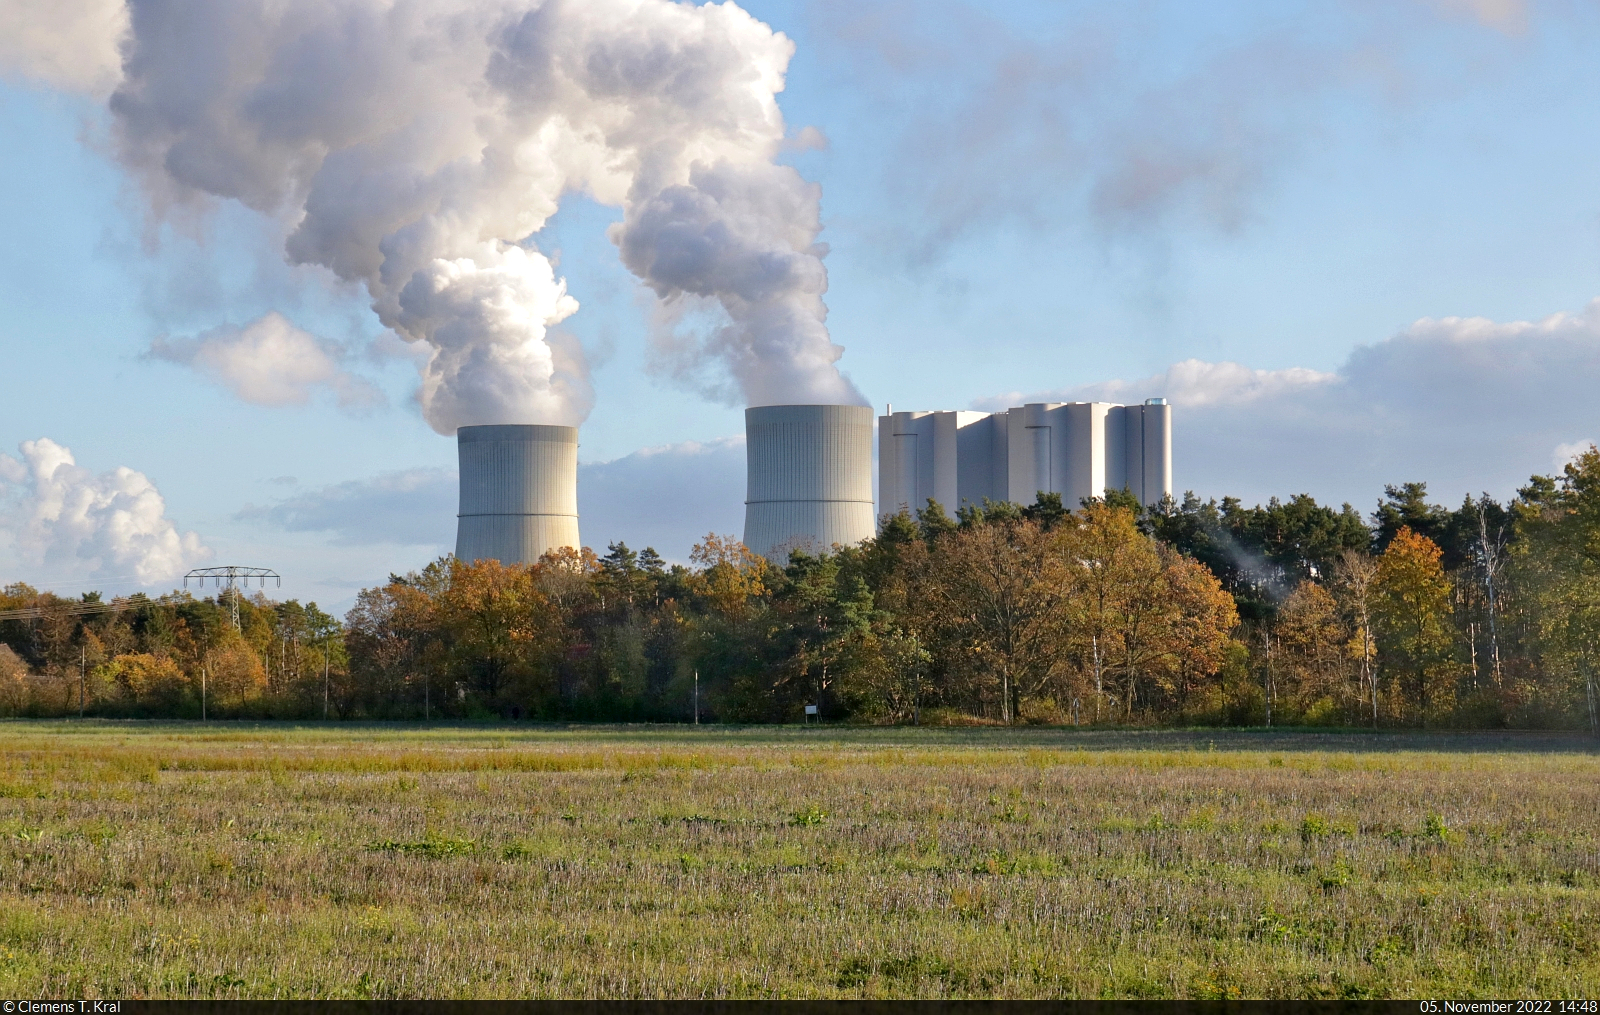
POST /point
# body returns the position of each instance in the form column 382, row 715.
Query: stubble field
column 263, row 860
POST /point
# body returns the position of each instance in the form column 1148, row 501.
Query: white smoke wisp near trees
column 59, row 515
column 419, row 146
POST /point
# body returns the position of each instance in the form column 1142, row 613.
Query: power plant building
column 519, row 492
column 809, row 471
column 809, row 478
column 1076, row 449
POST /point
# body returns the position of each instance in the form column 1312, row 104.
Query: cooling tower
column 810, row 478
column 519, row 492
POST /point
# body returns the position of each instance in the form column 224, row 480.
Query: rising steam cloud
column 418, row 147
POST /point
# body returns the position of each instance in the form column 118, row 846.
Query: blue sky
column 1018, row 199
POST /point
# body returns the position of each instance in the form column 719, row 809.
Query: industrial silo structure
column 1083, row 449
column 519, row 492
column 1148, row 437
column 943, row 456
column 809, row 478
column 1055, row 447
column 1076, row 449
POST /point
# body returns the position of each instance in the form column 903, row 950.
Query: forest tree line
column 1191, row 612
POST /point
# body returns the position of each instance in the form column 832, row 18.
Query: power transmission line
column 228, row 578
column 71, row 609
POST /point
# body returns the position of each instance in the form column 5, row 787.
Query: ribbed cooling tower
column 810, row 478
column 519, row 492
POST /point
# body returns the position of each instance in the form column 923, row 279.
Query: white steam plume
column 418, row 146
column 66, row 45
column 60, row 515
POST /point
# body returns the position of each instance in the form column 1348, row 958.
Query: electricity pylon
column 233, row 574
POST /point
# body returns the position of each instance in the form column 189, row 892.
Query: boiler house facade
column 1076, row 449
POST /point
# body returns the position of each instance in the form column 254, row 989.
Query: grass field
column 262, row 860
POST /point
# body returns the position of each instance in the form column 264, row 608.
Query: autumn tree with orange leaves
column 1147, row 626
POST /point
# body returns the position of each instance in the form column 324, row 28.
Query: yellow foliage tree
column 1311, row 660
column 732, row 575
column 498, row 622
column 234, row 676
column 992, row 593
column 1412, row 610
column 13, row 682
column 1199, row 624
column 1154, row 618
column 148, row 680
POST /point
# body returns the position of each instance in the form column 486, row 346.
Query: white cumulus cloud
column 58, row 515
column 270, row 362
column 1191, row 384
column 1565, row 453
column 1467, row 404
